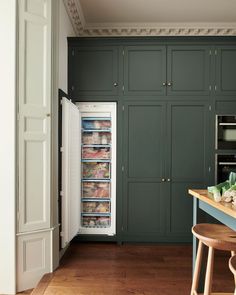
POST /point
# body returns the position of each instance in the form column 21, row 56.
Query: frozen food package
column 96, row 170
column 96, row 221
column 96, row 153
column 96, row 207
column 95, row 190
column 96, row 124
column 89, row 137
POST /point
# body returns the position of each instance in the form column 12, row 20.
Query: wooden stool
column 232, row 266
column 214, row 236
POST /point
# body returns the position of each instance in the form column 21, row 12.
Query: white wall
column 65, row 30
column 7, row 145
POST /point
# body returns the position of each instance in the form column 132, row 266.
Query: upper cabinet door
column 93, row 71
column 226, row 70
column 188, row 70
column 145, row 70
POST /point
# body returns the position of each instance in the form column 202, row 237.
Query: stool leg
column 232, row 254
column 197, row 269
column 209, row 271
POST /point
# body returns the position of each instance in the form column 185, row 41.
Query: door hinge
column 210, row 108
column 73, row 53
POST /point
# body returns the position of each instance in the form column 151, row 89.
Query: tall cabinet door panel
column 144, row 208
column 188, row 141
column 144, row 70
column 188, row 160
column 93, row 71
column 144, row 141
column 188, row 70
column 34, row 115
column 226, row 70
column 143, row 170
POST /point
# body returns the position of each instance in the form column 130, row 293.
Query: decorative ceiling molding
column 75, row 13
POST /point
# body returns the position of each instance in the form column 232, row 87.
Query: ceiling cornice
column 75, row 13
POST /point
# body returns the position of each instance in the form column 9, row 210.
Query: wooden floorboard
column 110, row 269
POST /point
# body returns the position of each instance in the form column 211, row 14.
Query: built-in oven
column 224, row 165
column 225, row 132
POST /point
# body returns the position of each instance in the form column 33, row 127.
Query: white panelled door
column 34, row 114
column 71, row 154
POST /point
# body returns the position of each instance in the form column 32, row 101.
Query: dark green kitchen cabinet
column 166, row 149
column 188, row 161
column 188, row 70
column 167, row 70
column 93, row 71
column 144, row 70
column 225, row 70
column 143, row 214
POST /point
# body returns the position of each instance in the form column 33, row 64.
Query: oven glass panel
column 226, row 135
column 225, row 165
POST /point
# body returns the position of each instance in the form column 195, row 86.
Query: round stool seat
column 216, row 235
column 232, row 264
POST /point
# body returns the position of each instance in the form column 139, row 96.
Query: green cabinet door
column 143, row 149
column 144, row 70
column 188, row 161
column 93, row 71
column 188, row 70
column 226, row 70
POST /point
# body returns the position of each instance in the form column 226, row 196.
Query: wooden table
column 224, row 212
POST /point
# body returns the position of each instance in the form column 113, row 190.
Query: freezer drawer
column 96, row 221
column 93, row 137
column 96, row 170
column 96, row 190
column 93, row 152
column 96, row 207
column 96, row 123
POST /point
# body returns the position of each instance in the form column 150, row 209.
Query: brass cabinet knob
column 169, row 83
column 163, row 179
column 168, row 179
column 48, row 115
column 115, row 84
column 164, row 83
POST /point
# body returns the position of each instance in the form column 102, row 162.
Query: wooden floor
column 100, row 268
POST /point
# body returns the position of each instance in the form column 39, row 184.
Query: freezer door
column 71, row 174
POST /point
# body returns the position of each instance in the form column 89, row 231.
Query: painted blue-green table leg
column 198, row 217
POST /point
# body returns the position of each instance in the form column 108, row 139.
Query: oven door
column 224, row 165
column 226, row 132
